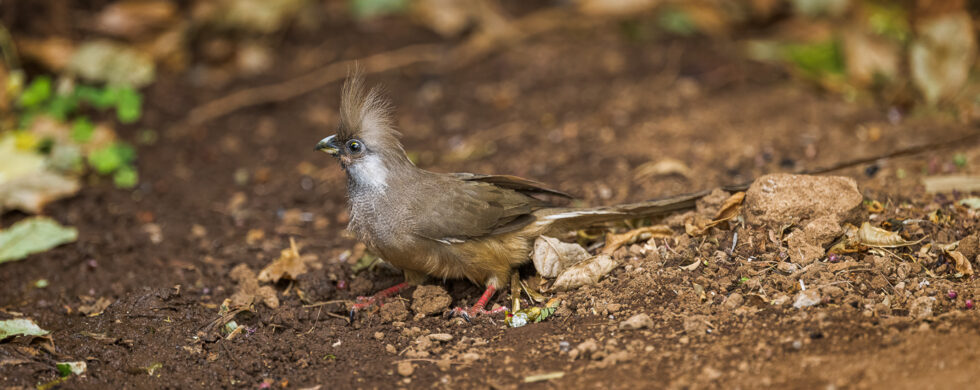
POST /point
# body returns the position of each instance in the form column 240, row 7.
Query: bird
column 478, row 227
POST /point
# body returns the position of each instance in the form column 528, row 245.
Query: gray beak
column 328, row 145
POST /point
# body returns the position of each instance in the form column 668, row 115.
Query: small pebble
column 969, row 304
column 564, row 346
column 379, row 336
column 406, row 368
column 441, row 336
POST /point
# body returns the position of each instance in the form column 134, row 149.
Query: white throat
column 370, row 172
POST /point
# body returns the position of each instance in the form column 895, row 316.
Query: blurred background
column 76, row 74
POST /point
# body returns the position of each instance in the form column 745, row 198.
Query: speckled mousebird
column 446, row 225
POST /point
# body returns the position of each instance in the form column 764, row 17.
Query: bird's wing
column 519, row 184
column 458, row 210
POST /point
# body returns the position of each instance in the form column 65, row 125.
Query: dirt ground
column 580, row 110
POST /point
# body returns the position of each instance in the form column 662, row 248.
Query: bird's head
column 366, row 143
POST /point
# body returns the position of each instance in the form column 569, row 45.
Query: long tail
column 565, row 218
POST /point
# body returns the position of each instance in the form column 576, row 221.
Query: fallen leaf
column 33, row 235
column 729, row 209
column 544, row 377
column 942, row 54
column 878, row 237
column 961, row 183
column 95, row 308
column 289, row 265
column 552, row 256
column 113, row 63
column 20, row 327
column 249, row 292
column 973, row 203
column 615, row 241
column 129, row 18
column 963, row 266
column 26, row 182
column 584, row 273
column 665, row 167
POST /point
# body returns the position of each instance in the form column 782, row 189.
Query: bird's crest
column 366, row 115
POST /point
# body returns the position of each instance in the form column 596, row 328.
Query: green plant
column 41, row 98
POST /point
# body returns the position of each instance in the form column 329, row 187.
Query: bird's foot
column 478, row 307
column 360, row 303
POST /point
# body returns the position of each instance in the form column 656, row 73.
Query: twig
column 311, row 81
column 426, row 360
column 318, row 304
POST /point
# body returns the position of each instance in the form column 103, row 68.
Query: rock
column 390, row 349
column 806, row 245
column 780, row 300
column 394, row 310
column 639, row 321
column 970, row 246
column 733, row 301
column 379, row 336
column 406, row 368
column 471, row 357
column 586, row 348
column 833, row 292
column 779, row 199
column 806, row 299
column 443, row 337
column 428, row 300
column 921, row 307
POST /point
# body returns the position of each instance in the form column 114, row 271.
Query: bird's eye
column 354, row 146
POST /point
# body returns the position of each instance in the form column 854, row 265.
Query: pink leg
column 378, row 298
column 478, row 308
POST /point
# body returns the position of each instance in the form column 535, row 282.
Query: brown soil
column 580, row 110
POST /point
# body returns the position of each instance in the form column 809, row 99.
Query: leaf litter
column 33, row 235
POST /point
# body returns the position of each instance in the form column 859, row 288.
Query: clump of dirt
column 393, row 310
column 430, row 299
column 249, row 291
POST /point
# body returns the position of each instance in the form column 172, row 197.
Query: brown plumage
column 448, row 226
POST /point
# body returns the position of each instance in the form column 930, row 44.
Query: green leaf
column 82, row 130
column 33, row 235
column 676, row 21
column 20, row 327
column 111, row 158
column 60, row 106
column 816, row 59
column 68, row 368
column 125, row 177
column 367, row 9
column 100, row 98
column 36, row 93
column 129, row 105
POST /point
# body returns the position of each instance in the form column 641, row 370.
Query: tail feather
column 582, row 217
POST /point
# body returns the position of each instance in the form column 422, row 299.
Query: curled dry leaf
column 963, row 266
column 878, row 237
column 96, row 307
column 730, row 209
column 584, row 273
column 552, row 256
column 289, row 265
column 249, row 291
column 615, row 241
column 665, row 167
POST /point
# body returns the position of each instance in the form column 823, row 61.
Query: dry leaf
column 878, row 237
column 95, row 308
column 289, row 265
column 249, row 291
column 665, row 167
column 942, row 54
column 729, row 209
column 129, row 18
column 585, row 273
column 552, row 256
column 696, row 225
column 26, row 182
column 615, row 241
column 963, row 266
